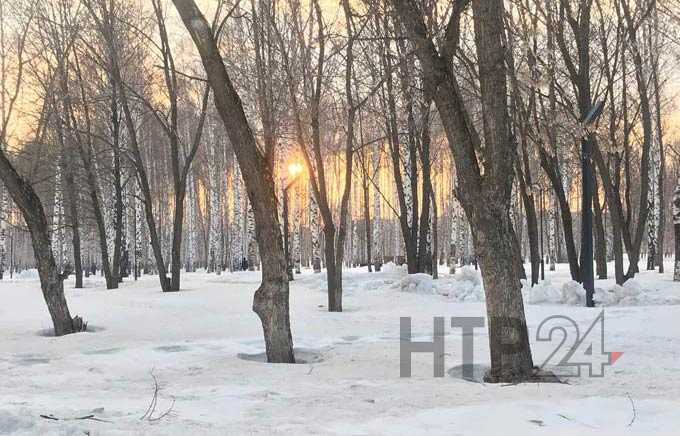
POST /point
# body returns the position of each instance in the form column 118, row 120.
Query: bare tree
column 30, row 205
column 485, row 196
column 271, row 299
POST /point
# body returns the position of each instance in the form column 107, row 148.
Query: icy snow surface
column 204, row 346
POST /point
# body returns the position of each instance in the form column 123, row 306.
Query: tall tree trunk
column 676, row 230
column 550, row 166
column 75, row 226
column 532, row 226
column 177, row 227
column 367, row 216
column 51, row 280
column 659, row 139
column 86, row 152
column 600, row 239
column 485, row 197
column 271, row 299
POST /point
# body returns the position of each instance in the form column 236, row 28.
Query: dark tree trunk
column 518, row 259
column 550, row 166
column 271, row 301
column 177, row 225
column 334, row 272
column 51, row 281
column 75, row 226
column 485, row 197
column 676, row 272
column 532, row 228
column 118, row 187
column 66, row 169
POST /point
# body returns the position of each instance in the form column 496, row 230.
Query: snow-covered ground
column 204, row 347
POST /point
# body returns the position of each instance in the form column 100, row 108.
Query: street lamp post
column 587, row 273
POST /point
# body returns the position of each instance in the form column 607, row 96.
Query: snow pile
column 571, row 293
column 466, row 286
column 27, row 274
column 469, row 274
column 628, row 294
column 542, row 292
column 391, row 268
column 416, row 283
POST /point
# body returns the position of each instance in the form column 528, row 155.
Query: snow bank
column 465, row 286
column 391, row 268
column 27, row 274
column 417, row 283
column 630, row 293
column 570, row 293
column 573, row 294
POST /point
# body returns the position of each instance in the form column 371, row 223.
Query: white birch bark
column 453, row 234
column 58, row 237
column 377, row 252
column 139, row 232
column 4, row 216
column 552, row 216
column 297, row 229
column 214, row 221
column 236, row 249
column 314, row 230
column 253, row 262
column 191, row 225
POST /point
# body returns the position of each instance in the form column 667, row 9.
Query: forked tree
column 485, row 173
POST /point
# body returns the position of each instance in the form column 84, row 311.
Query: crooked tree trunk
column 550, row 166
column 271, row 302
column 51, row 281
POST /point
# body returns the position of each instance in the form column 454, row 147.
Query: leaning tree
column 271, row 298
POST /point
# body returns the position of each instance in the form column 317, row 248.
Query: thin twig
column 632, row 403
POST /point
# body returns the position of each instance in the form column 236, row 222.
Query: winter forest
column 209, row 191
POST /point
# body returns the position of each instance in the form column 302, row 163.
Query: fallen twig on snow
column 632, row 420
column 77, row 418
column 148, row 415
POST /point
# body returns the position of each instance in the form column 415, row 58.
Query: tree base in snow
column 79, row 325
column 537, row 375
